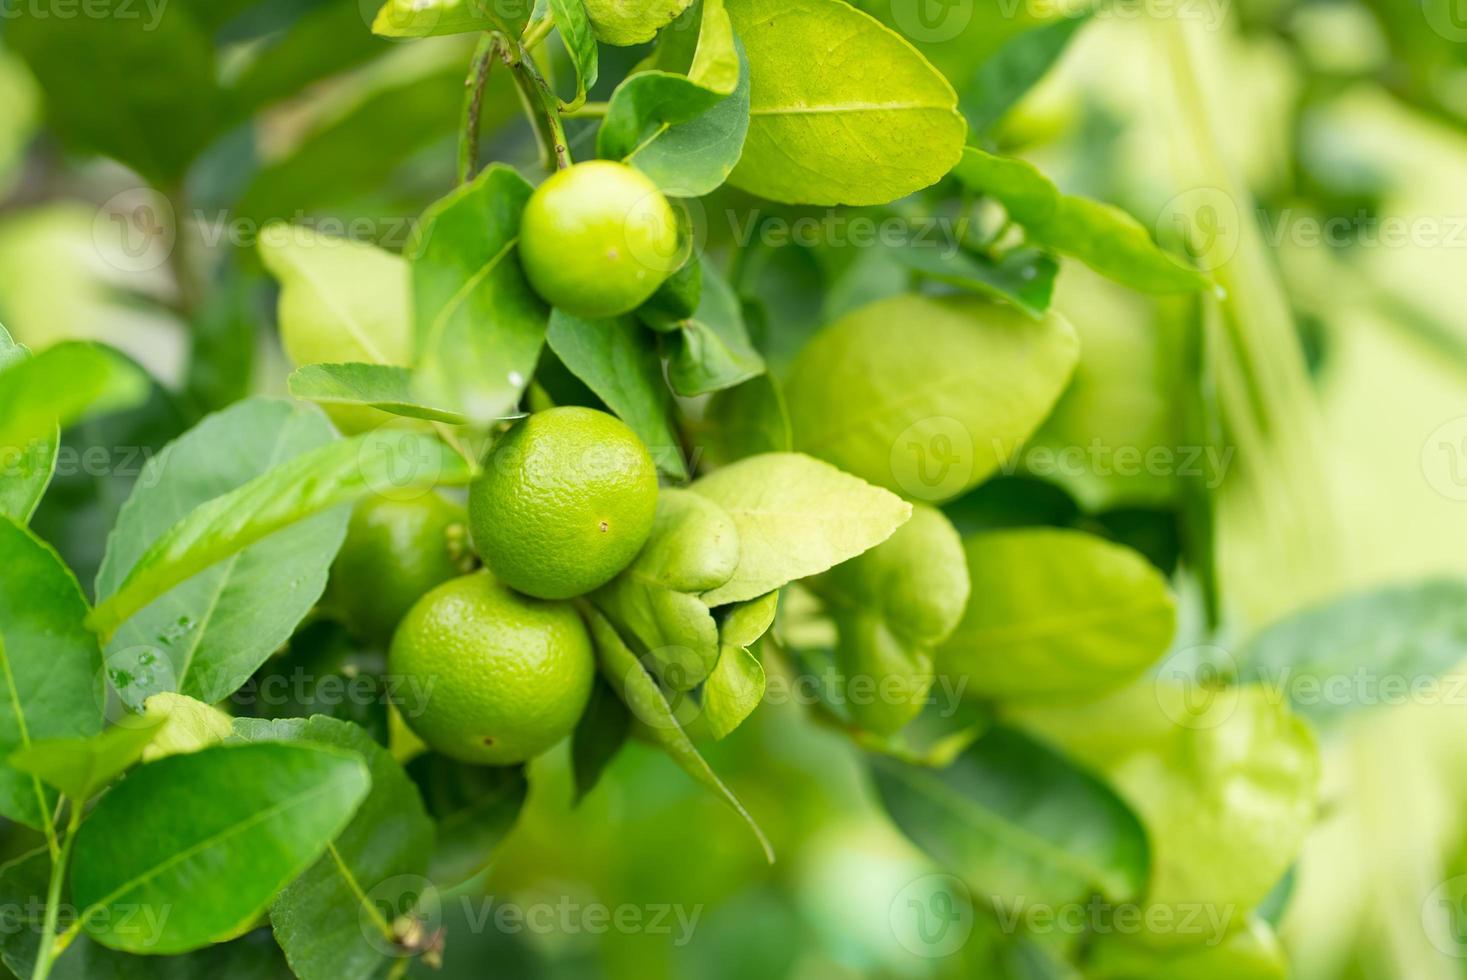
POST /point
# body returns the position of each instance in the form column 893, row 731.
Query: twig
column 468, row 140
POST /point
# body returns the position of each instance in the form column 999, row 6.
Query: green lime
column 597, row 239
column 486, row 675
column 395, row 550
column 566, row 501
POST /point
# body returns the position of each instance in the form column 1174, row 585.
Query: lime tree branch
column 542, row 107
column 468, row 143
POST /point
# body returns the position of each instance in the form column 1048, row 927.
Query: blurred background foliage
column 1336, row 113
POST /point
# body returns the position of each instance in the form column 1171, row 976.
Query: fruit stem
column 542, row 107
column 51, row 944
column 537, row 32
column 468, row 141
column 587, row 110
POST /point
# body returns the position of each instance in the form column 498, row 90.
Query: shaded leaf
column 25, row 470
column 381, row 386
column 1015, row 68
column 710, row 350
column 574, row 25
column 599, row 736
column 475, row 807
column 1023, row 277
column 745, row 420
column 736, row 686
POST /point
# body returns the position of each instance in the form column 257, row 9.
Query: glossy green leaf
column 113, row 75
column 1056, row 614
column 1023, row 277
column 932, row 409
column 64, row 384
column 892, row 606
column 617, row 359
column 1224, row 781
column 842, row 109
column 639, row 691
column 79, row 767
column 628, row 22
column 710, row 350
column 1015, row 68
column 209, row 838
column 1407, row 631
column 323, row 918
column 386, row 461
column 341, row 301
column 656, row 601
column 574, row 25
column 737, row 683
column 51, row 685
column 430, row 18
column 1019, row 823
column 474, row 807
column 599, row 736
column 478, row 324
column 1103, row 237
column 380, row 386
column 205, row 636
column 25, row 471
column 682, row 135
column 795, row 517
column 745, row 420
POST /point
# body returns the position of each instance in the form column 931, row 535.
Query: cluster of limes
column 565, row 502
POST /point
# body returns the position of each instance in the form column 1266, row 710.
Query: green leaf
column 617, row 360
column 1023, row 277
column 599, row 736
column 1015, row 68
column 23, row 884
column 1225, row 783
column 479, row 326
column 25, row 471
column 1056, row 614
column 392, row 462
column 1252, row 952
column 380, row 386
column 1416, row 630
column 322, row 918
column 136, row 85
column 51, row 684
column 1018, row 822
column 685, row 137
column 64, row 384
column 737, row 683
column 574, row 25
column 205, row 636
column 639, row 691
column 340, row 300
column 842, row 109
column 708, row 56
column 710, row 350
column 322, row 41
column 795, row 517
column 744, row 421
column 79, row 767
column 892, row 606
column 628, row 22
column 1103, row 237
column 188, row 725
column 475, row 808
column 655, row 601
column 209, row 838
column 932, row 411
column 431, row 18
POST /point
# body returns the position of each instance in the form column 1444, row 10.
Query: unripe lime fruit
column 597, row 239
column 486, row 675
column 396, row 550
column 566, row 501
